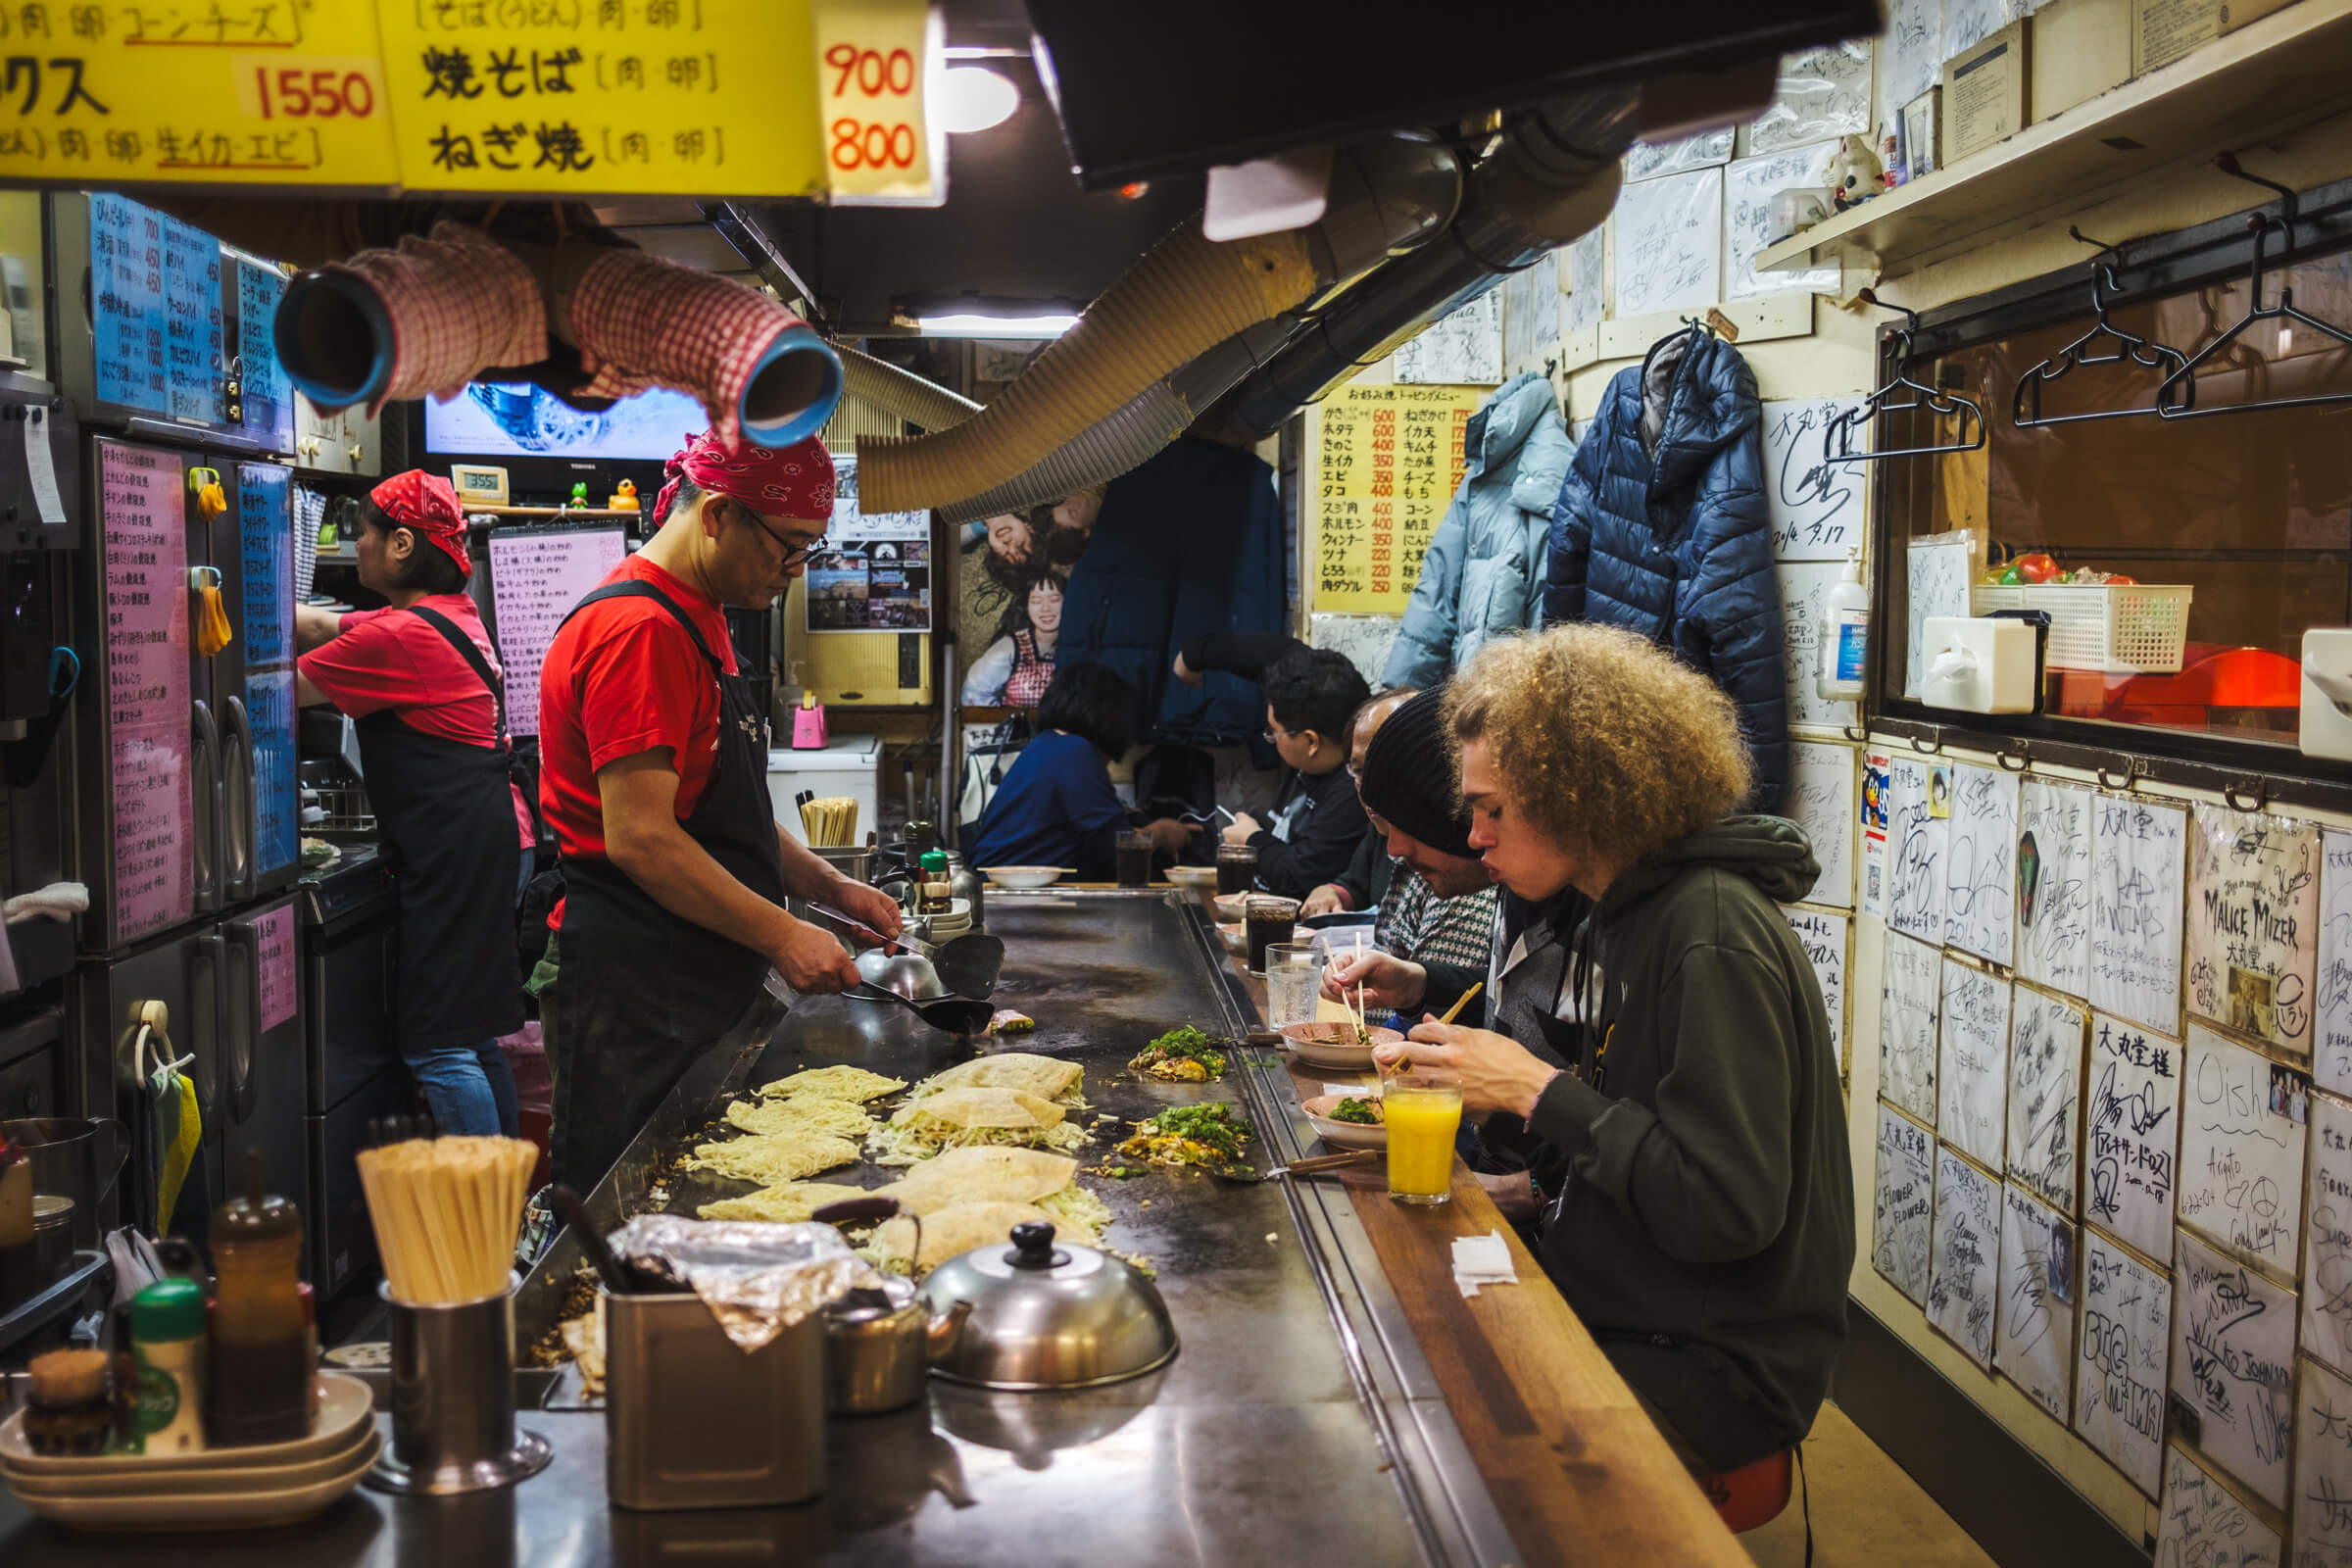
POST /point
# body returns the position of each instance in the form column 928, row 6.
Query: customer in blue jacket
column 1661, row 528
column 1484, row 573
column 1057, row 806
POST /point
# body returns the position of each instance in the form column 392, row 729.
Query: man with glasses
column 654, row 779
column 1316, row 823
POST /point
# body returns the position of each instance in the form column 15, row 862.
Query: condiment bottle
column 939, row 894
column 260, row 1370
column 166, row 1326
column 20, row 1275
column 69, row 1416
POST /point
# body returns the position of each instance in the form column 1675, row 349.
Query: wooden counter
column 1578, row 1471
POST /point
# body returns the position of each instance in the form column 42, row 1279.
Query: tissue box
column 1978, row 666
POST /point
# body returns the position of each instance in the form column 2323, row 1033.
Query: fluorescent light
column 968, row 99
column 1006, row 326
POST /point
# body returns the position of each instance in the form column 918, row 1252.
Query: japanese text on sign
column 1387, row 460
column 146, row 577
column 535, row 578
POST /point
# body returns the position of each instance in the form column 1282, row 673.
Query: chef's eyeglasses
column 794, row 554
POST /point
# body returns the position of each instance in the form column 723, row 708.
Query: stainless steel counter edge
column 1432, row 1466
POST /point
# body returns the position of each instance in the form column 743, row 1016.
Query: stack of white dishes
column 220, row 1489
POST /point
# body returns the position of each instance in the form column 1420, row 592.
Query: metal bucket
column 74, row 1157
column 855, row 861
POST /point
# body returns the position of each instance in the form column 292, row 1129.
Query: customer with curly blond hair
column 1675, row 1065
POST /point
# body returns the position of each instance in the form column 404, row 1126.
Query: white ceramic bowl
column 1193, row 876
column 345, row 1404
column 1343, row 1134
column 1332, row 1044
column 1021, row 878
column 209, row 1509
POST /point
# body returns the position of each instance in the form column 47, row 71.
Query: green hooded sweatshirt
column 1705, row 1232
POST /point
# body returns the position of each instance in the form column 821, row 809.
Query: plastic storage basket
column 2128, row 629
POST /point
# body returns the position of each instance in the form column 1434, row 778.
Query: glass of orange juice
column 1422, row 1109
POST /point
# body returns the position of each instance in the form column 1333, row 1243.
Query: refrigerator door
column 157, row 1003
column 263, row 1085
column 145, row 851
column 264, row 818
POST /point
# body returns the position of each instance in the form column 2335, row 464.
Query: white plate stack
column 220, row 1489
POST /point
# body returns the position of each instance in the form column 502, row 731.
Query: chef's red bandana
column 793, row 481
column 428, row 504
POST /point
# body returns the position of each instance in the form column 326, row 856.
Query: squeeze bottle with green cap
column 166, row 1340
column 1846, row 635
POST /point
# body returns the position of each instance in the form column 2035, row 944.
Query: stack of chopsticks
column 829, row 824
column 446, row 1211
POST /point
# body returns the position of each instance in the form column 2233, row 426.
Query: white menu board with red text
column 146, row 638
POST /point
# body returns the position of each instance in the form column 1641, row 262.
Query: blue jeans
column 470, row 1089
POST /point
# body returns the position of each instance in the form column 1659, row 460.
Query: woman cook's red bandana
column 428, row 504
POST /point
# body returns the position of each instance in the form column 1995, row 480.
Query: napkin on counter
column 1483, row 1260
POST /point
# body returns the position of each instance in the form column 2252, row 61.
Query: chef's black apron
column 446, row 815
column 639, row 992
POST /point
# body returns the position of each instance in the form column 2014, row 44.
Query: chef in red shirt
column 654, row 777
column 420, row 678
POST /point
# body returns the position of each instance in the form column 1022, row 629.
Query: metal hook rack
column 2259, row 224
column 2025, row 406
column 1838, row 440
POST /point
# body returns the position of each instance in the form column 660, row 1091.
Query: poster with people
column 873, row 571
column 1013, row 569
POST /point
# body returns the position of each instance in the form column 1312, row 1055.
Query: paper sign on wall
column 1815, row 505
column 1978, row 908
column 1937, row 568
column 2322, row 1522
column 2053, row 886
column 2200, row 1525
column 1804, row 589
column 1462, row 346
column 1820, row 801
column 2138, row 866
column 2234, row 1349
column 536, row 577
column 1387, row 460
column 1583, row 272
column 2045, row 1092
column 1669, row 238
column 2132, row 1139
column 273, row 961
column 151, row 769
column 2120, row 1374
column 2327, row 1238
column 2253, row 923
column 2332, row 1044
column 1963, row 1268
column 1823, row 935
column 1874, row 794
column 1910, row 995
column 1650, row 160
column 1972, row 1062
column 1902, row 1197
column 2035, row 1347
column 1919, row 811
column 1749, row 187
column 2242, row 1132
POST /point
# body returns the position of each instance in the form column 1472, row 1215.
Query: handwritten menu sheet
column 2045, row 1092
column 1972, row 1066
column 1669, row 237
column 2035, row 1347
column 2253, row 923
column 2119, row 1376
column 1749, row 186
column 2137, row 885
column 2331, row 1036
column 1820, row 801
column 2242, row 1126
column 536, row 577
column 1902, row 1199
column 1918, row 831
column 2200, row 1525
column 273, row 961
column 1648, row 160
column 1815, row 505
column 1978, row 908
column 1463, row 345
column 2327, row 1236
column 2320, row 1523
column 1387, row 460
column 1823, row 936
column 2233, row 1350
column 1583, row 270
column 1963, row 1265
column 2132, row 1133
column 1804, row 587
column 2053, row 886
column 152, row 766
column 1910, row 996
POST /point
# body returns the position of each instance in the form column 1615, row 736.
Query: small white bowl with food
column 1349, row 1121
column 1193, row 876
column 1337, row 1044
column 1022, row 878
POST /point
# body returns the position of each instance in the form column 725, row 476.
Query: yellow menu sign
column 1388, row 459
column 245, row 92
column 869, row 98
column 591, row 97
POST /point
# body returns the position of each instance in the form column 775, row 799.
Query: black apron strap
column 638, row 588
column 473, row 655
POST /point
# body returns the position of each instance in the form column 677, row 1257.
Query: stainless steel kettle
column 879, row 1344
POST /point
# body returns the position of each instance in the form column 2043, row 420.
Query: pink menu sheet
column 535, row 578
column 146, row 568
column 274, row 965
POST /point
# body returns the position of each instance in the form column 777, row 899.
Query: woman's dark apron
column 639, row 992
column 446, row 815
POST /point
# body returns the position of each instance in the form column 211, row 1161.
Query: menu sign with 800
column 1387, row 460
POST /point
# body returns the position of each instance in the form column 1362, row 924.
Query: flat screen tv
column 546, row 445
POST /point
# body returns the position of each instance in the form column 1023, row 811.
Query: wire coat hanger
column 2256, row 313
column 1838, row 440
column 2025, row 408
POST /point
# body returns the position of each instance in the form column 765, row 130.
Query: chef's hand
column 1169, row 836
column 1328, row 898
column 1514, row 1195
column 1187, row 673
column 1388, row 982
column 1242, row 829
column 812, row 962
column 870, row 904
column 1497, row 1072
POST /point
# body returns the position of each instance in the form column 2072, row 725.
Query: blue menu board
column 269, row 400
column 265, row 540
column 155, row 312
column 276, row 802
